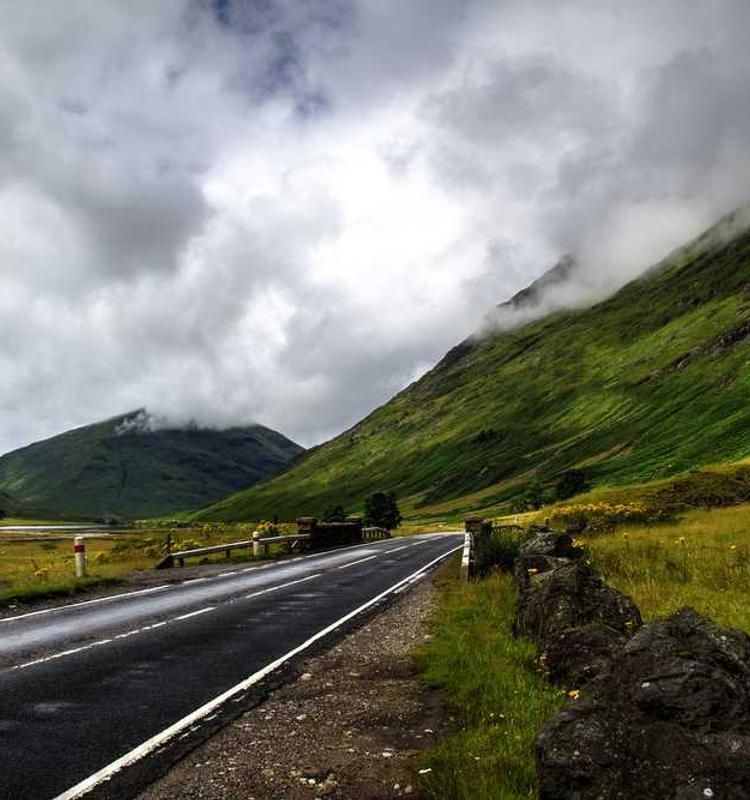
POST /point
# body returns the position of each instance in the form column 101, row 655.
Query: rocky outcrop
column 575, row 656
column 662, row 711
column 668, row 718
column 569, row 596
column 564, row 605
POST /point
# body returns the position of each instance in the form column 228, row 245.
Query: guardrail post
column 256, row 544
column 79, row 549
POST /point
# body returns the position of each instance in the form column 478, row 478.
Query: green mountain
column 123, row 467
column 12, row 507
column 650, row 383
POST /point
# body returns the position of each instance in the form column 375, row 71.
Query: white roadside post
column 79, row 548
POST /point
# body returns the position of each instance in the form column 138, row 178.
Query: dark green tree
column 534, row 495
column 570, row 483
column 381, row 510
column 334, row 514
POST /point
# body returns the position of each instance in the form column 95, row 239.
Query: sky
column 285, row 211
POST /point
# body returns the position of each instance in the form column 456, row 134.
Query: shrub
column 495, row 547
column 578, row 517
column 570, row 483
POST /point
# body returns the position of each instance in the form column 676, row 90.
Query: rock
column 546, row 542
column 576, row 655
column 570, row 596
column 669, row 718
column 543, row 551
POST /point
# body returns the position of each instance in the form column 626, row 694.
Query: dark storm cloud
column 284, row 211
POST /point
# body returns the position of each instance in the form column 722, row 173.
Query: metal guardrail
column 258, row 543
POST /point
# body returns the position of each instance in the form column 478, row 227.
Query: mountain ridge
column 131, row 466
column 649, row 383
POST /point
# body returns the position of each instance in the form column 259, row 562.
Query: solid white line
column 142, row 750
column 354, row 563
column 106, row 599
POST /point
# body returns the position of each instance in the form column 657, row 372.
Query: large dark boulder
column 577, row 655
column 570, row 596
column 668, row 719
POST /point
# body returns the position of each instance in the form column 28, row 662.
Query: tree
column 334, row 514
column 381, row 510
column 534, row 495
column 569, row 483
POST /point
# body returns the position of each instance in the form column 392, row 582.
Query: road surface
column 99, row 696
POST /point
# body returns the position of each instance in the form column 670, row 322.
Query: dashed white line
column 101, row 642
column 195, row 613
column 138, row 592
column 282, row 586
column 354, row 563
column 155, row 742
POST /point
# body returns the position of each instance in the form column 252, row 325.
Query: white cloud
column 283, row 212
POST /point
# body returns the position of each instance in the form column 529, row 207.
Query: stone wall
column 661, row 711
column 331, row 534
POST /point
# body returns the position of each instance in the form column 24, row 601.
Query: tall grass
column 702, row 560
column 35, row 567
column 499, row 699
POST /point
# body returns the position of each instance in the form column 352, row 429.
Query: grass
column 701, row 560
column 27, row 591
column 647, row 385
column 36, row 566
column 489, row 679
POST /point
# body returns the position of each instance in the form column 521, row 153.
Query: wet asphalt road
column 82, row 685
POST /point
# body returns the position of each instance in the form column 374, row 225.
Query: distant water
column 48, row 528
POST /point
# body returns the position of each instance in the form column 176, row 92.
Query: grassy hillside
column 11, row 507
column 651, row 383
column 120, row 467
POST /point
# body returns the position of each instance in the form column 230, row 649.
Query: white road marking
column 399, row 549
column 354, row 563
column 282, row 586
column 106, row 599
column 124, row 595
column 195, row 613
column 101, row 642
column 155, row 742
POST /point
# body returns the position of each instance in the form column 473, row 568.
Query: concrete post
column 473, row 524
column 256, row 544
column 79, row 549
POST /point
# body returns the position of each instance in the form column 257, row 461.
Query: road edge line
column 145, row 748
column 178, row 584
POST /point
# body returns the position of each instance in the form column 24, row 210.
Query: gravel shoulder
column 350, row 726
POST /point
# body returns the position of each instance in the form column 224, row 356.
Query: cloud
column 283, row 212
